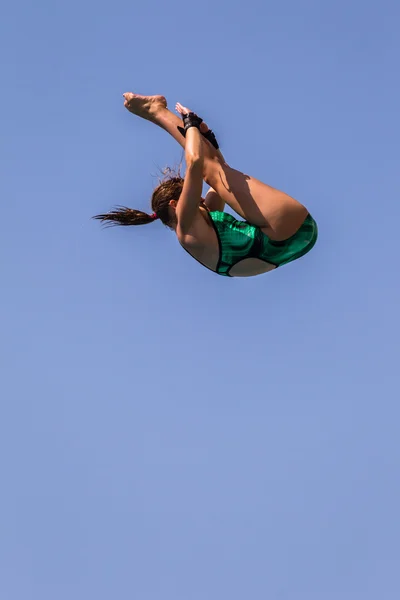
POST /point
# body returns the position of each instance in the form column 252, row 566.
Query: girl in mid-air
column 276, row 228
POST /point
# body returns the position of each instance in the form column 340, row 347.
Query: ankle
column 156, row 112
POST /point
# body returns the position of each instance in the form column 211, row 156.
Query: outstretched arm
column 212, row 200
column 209, row 135
column 190, row 197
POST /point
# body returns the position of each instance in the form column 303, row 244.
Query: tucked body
column 272, row 229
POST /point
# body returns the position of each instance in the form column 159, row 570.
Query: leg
column 275, row 212
column 154, row 109
column 278, row 214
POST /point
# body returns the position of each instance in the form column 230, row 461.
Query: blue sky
column 166, row 433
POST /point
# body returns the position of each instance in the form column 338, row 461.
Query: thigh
column 277, row 213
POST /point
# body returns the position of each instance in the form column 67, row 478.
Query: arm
column 209, row 135
column 190, row 198
column 214, row 201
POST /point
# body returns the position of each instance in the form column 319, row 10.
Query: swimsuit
column 239, row 240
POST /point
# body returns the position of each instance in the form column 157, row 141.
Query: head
column 163, row 203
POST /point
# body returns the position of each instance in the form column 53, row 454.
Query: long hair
column 169, row 188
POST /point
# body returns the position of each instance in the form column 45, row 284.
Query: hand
column 183, row 110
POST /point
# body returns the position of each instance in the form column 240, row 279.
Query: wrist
column 191, row 120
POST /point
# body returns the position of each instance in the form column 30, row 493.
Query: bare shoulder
column 198, row 234
column 188, row 239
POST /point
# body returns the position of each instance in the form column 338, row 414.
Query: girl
column 275, row 230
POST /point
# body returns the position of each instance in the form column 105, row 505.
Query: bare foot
column 144, row 106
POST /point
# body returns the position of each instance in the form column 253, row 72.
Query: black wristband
column 191, row 120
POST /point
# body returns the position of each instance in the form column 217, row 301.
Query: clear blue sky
column 165, row 433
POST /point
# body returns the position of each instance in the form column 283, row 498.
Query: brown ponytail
column 126, row 216
column 169, row 188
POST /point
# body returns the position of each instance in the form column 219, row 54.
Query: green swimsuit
column 239, row 240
